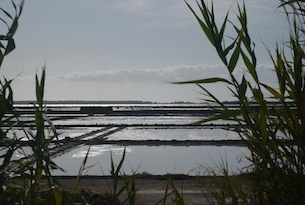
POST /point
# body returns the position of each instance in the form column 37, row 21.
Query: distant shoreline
column 102, row 102
column 135, row 102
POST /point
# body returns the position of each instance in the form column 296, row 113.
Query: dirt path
column 152, row 189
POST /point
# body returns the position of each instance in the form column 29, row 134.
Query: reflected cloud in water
column 96, row 151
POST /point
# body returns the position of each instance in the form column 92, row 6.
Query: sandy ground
column 152, row 189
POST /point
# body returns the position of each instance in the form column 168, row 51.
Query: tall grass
column 128, row 181
column 10, row 21
column 41, row 139
column 36, row 164
column 275, row 133
column 8, row 139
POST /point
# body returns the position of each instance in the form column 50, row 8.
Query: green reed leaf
column 229, row 48
column 81, row 169
column 223, row 27
column 40, row 87
column 242, row 89
column 274, row 92
column 204, row 81
column 10, row 46
column 57, row 194
column 204, row 27
column 234, row 58
column 250, row 67
column 6, row 13
column 213, row 97
column 121, row 162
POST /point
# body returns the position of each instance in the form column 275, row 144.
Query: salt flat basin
column 134, row 133
column 191, row 160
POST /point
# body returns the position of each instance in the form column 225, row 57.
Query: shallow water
column 151, row 159
column 173, row 134
column 127, row 120
column 191, row 160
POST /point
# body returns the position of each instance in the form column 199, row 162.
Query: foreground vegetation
column 275, row 135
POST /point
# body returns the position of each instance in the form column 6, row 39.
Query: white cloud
column 135, row 84
column 159, row 75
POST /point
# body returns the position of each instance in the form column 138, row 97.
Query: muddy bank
column 152, row 188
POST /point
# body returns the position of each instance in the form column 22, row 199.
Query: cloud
column 135, row 84
column 158, row 75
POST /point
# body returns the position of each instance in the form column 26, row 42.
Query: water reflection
column 153, row 159
column 96, row 151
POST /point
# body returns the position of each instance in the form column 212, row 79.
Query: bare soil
column 152, row 189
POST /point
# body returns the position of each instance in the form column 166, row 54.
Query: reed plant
column 172, row 193
column 8, row 139
column 20, row 180
column 127, row 181
column 123, row 188
column 40, row 140
column 34, row 165
column 37, row 163
column 274, row 133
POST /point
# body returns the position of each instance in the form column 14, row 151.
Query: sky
column 128, row 49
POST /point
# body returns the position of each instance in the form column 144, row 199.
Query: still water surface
column 151, row 159
column 191, row 160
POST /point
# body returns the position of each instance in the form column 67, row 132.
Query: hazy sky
column 127, row 49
